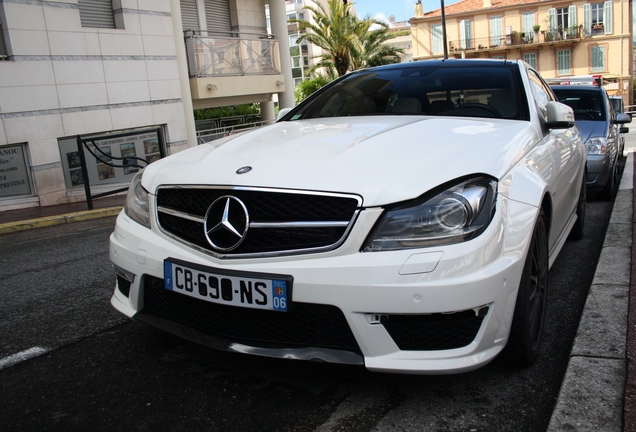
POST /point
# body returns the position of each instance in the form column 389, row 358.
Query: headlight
column 137, row 201
column 596, row 145
column 457, row 213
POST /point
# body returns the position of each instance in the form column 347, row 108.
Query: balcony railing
column 221, row 55
column 517, row 38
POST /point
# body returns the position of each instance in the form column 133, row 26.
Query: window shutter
column 572, row 16
column 217, row 16
column 587, row 19
column 189, row 15
column 436, row 38
column 552, row 18
column 607, row 17
column 96, row 13
column 598, row 59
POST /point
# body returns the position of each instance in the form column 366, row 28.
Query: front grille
column 435, row 331
column 304, row 325
column 280, row 221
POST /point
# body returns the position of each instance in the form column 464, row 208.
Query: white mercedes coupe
column 403, row 218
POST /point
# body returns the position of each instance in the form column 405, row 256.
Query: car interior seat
column 406, row 105
column 438, row 106
column 504, row 101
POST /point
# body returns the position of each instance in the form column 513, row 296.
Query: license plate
column 229, row 287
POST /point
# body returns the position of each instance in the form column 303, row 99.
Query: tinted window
column 587, row 104
column 475, row 91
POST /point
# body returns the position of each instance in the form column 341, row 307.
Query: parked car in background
column 402, row 217
column 619, row 108
column 599, row 127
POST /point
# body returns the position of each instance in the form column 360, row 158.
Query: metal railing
column 517, row 38
column 212, row 54
column 213, row 129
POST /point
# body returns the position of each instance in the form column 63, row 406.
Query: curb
column 12, row 227
column 593, row 388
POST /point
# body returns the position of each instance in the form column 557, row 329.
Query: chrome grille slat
column 281, row 222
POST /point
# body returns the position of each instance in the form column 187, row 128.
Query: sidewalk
column 39, row 217
column 598, row 392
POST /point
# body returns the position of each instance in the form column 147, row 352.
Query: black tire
column 577, row 229
column 607, row 194
column 529, row 316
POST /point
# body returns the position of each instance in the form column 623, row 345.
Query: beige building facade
column 567, row 41
column 123, row 76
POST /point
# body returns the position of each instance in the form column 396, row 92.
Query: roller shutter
column 217, row 16
column 96, row 13
column 189, row 15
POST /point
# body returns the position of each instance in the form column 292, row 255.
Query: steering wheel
column 583, row 115
column 488, row 108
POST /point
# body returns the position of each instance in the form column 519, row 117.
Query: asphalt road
column 93, row 369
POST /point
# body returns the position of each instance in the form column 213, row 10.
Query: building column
column 268, row 114
column 182, row 63
column 278, row 20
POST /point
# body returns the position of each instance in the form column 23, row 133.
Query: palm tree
column 371, row 51
column 347, row 41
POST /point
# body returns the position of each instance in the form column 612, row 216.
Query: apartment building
column 84, row 83
column 569, row 41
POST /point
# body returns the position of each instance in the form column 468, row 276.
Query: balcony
column 517, row 40
column 222, row 66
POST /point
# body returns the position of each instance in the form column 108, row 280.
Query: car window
column 478, row 91
column 587, row 104
column 540, row 92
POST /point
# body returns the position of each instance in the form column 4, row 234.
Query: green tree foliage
column 227, row 111
column 348, row 42
column 307, row 87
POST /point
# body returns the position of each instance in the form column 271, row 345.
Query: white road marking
column 25, row 355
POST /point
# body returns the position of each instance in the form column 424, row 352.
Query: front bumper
column 393, row 311
column 599, row 169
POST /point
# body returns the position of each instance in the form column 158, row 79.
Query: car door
column 566, row 157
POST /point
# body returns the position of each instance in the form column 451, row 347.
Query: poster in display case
column 103, row 155
column 14, row 176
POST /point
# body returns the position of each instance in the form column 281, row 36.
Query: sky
column 402, row 10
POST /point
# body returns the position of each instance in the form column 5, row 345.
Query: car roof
column 577, row 87
column 449, row 63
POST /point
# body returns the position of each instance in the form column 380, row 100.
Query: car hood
column 590, row 129
column 383, row 159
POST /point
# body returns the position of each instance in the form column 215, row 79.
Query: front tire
column 607, row 194
column 529, row 317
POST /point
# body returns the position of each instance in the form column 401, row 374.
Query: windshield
column 488, row 91
column 587, row 104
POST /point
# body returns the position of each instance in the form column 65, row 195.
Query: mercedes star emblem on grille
column 226, row 223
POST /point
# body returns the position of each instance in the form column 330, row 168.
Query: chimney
column 487, row 3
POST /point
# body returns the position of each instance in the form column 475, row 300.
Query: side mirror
column 560, row 116
column 282, row 113
column 622, row 119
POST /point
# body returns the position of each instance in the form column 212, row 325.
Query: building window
column 563, row 62
column 466, row 34
column 531, row 59
column 527, row 24
column 436, row 36
column 96, row 13
column 597, row 53
column 498, row 57
column 562, row 18
column 598, row 18
column 3, row 47
column 496, row 38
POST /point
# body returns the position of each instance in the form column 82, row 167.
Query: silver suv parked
column 600, row 130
